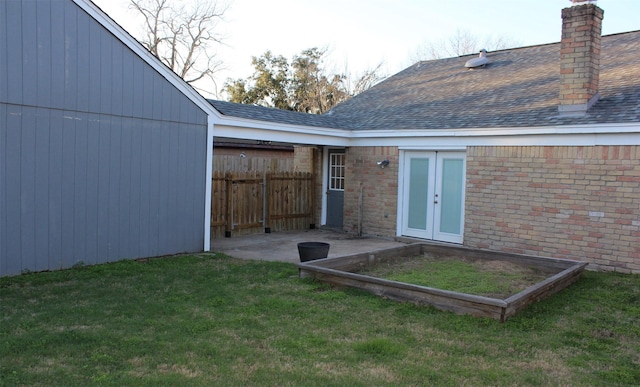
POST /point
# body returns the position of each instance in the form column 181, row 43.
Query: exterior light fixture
column 383, row 163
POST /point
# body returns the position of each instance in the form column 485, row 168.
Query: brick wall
column 580, row 53
column 379, row 189
column 303, row 158
column 567, row 202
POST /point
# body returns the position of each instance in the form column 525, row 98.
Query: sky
column 360, row 34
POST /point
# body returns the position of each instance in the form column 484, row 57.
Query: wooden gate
column 249, row 203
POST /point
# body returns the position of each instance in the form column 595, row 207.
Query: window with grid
column 336, row 178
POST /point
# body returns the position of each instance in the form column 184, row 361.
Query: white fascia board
column 122, row 35
column 279, row 135
column 508, row 131
column 609, row 134
column 270, row 131
column 522, row 140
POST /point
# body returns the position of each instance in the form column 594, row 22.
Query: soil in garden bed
column 489, row 278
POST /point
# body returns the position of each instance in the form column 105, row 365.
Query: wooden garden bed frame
column 340, row 271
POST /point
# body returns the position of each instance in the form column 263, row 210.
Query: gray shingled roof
column 519, row 88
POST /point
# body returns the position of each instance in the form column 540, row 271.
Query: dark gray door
column 335, row 191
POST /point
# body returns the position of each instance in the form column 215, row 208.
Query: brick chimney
column 580, row 57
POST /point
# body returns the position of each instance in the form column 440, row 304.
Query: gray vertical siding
column 101, row 158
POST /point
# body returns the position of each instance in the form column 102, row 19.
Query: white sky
column 363, row 33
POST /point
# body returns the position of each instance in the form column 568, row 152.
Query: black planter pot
column 312, row 250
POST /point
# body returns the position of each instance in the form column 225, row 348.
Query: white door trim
column 435, row 186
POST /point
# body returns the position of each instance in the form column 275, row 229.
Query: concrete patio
column 283, row 246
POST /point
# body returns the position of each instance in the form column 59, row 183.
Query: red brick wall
column 379, row 191
column 568, row 202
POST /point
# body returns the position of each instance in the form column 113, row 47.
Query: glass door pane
column 449, row 208
column 419, row 174
column 451, row 198
column 418, row 190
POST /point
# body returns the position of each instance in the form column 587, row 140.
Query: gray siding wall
column 101, row 158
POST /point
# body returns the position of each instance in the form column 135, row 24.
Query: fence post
column 229, row 215
column 266, row 184
column 312, row 210
column 212, row 205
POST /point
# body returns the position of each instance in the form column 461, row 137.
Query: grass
column 214, row 320
column 490, row 278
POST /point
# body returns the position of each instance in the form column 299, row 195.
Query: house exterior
column 538, row 152
column 105, row 153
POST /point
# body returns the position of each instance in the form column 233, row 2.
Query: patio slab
column 283, row 246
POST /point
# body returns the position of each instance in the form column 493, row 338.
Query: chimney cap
column 579, row 2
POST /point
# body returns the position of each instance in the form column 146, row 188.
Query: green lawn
column 489, row 278
column 215, row 320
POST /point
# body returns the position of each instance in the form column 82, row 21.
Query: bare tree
column 183, row 35
column 365, row 80
column 463, row 42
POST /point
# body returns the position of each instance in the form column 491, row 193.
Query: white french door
column 433, row 195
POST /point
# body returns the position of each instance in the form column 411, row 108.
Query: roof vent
column 480, row 61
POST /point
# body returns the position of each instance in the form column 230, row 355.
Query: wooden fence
column 255, row 164
column 249, row 203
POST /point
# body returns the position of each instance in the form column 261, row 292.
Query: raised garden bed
column 546, row 276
